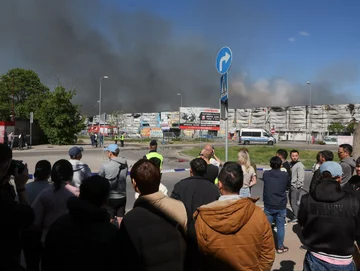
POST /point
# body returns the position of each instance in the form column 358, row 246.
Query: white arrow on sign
column 225, row 58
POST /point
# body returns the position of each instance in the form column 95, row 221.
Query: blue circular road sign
column 223, row 60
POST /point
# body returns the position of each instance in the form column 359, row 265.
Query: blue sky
column 293, row 40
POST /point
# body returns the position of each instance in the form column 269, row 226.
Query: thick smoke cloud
column 76, row 42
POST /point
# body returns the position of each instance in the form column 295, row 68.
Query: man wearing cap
column 154, row 154
column 115, row 170
column 329, row 218
column 81, row 170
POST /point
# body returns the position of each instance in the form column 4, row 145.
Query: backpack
column 114, row 181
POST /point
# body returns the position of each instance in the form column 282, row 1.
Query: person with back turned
column 232, row 232
column 329, row 218
column 194, row 192
column 86, row 235
column 115, row 170
column 153, row 153
column 152, row 233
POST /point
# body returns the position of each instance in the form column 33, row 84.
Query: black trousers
column 116, row 207
column 122, row 143
column 31, row 243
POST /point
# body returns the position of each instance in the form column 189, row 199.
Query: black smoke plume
column 75, row 42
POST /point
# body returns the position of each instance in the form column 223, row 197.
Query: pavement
column 94, row 157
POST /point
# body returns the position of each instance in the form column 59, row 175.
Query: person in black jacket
column 152, row 233
column 324, row 156
column 283, row 154
column 194, row 192
column 84, row 239
column 15, row 217
column 275, row 199
column 353, row 186
column 329, row 218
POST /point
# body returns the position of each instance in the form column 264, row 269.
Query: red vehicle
column 106, row 130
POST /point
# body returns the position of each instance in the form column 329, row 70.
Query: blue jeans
column 280, row 216
column 245, row 192
column 312, row 263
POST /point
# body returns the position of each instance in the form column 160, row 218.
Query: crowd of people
column 72, row 219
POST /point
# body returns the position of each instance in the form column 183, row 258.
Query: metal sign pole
column 223, row 63
column 31, row 122
column 226, row 134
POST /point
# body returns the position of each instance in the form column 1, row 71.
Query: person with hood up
column 329, row 218
column 347, row 162
column 233, row 233
column 85, row 234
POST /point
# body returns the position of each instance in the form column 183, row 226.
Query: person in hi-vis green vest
column 153, row 153
column 116, row 138
column 122, row 138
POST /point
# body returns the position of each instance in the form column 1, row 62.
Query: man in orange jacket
column 232, row 232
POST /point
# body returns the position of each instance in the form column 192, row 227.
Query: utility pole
column 13, row 98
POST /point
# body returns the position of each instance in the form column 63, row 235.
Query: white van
column 256, row 136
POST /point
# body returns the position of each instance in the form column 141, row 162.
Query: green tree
column 350, row 128
column 27, row 91
column 336, row 127
column 59, row 118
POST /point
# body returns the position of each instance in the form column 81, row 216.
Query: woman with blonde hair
column 249, row 173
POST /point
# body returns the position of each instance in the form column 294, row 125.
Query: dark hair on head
column 198, row 167
column 116, row 152
column 319, row 154
column 294, row 151
column 275, row 162
column 328, row 155
column 283, row 153
column 42, row 170
column 347, row 148
column 156, row 161
column 231, row 177
column 95, row 190
column 326, row 174
column 357, row 161
column 5, row 153
column 61, row 172
column 146, row 175
column 354, row 182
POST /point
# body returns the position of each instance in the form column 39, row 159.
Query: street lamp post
column 310, row 110
column 179, row 94
column 102, row 77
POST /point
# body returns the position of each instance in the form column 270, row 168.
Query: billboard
column 167, row 119
column 200, row 118
column 153, row 132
